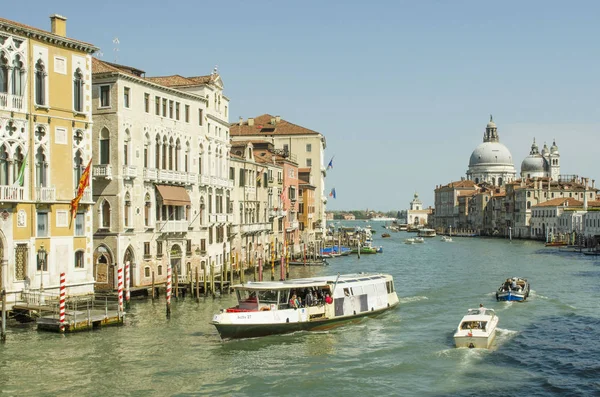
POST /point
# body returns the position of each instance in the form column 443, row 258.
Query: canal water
column 548, row 345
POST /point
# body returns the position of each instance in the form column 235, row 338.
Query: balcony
column 217, row 218
column 172, row 226
column 102, row 171
column 45, row 194
column 86, row 197
column 150, row 174
column 11, row 102
column 171, row 176
column 280, row 181
column 254, row 227
column 277, row 213
column 12, row 193
column 191, row 178
column 129, row 171
column 204, row 179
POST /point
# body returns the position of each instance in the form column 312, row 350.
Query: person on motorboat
column 481, row 309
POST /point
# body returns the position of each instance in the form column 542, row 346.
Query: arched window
column 40, row 83
column 104, row 146
column 3, row 77
column 157, row 153
column 165, row 152
column 3, row 165
column 171, row 147
column 77, row 168
column 529, row 205
column 186, row 159
column 500, row 181
column 105, row 214
column 41, row 168
column 19, row 167
column 127, row 210
column 160, row 270
column 147, row 210
column 79, row 259
column 18, row 74
column 147, row 271
column 126, row 147
column 78, row 91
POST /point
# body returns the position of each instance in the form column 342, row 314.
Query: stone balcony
column 277, row 213
column 129, row 171
column 218, row 218
column 172, row 226
column 10, row 193
column 150, row 174
column 102, row 171
column 11, row 102
column 45, row 194
column 254, row 227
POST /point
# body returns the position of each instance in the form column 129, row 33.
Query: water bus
column 305, row 304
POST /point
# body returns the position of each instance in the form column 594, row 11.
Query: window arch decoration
column 78, row 90
column 40, row 83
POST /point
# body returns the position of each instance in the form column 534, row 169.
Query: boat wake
column 410, row 299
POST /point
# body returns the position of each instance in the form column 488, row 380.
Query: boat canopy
column 309, row 282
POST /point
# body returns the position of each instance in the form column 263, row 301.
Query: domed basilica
column 491, row 161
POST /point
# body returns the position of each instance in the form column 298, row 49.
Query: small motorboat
column 513, row 289
column 419, row 240
column 447, row 239
column 409, row 241
column 385, row 235
column 477, row 329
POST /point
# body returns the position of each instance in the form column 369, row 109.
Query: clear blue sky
column 402, row 90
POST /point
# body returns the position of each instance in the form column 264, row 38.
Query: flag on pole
column 332, row 193
column 259, row 174
column 21, row 178
column 84, row 181
column 330, row 165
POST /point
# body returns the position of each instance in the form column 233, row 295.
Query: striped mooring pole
column 120, row 288
column 168, row 291
column 61, row 309
column 127, row 282
column 282, row 269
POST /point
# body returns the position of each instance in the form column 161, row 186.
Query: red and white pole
column 120, row 288
column 127, row 277
column 169, row 291
column 63, row 294
column 305, row 254
column 282, row 268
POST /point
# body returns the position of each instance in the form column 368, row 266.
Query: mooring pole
column 153, row 289
column 197, row 285
column 3, row 335
column 168, row 291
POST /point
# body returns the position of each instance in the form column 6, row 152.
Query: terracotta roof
column 262, row 126
column 17, row 25
column 180, row 81
column 458, row 184
column 556, row 202
column 99, row 66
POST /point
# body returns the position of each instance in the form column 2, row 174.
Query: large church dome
column 491, row 153
column 491, row 161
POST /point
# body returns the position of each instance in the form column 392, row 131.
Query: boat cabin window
column 473, row 325
column 347, row 291
column 247, row 299
column 390, row 286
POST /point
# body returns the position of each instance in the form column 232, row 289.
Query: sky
column 401, row 90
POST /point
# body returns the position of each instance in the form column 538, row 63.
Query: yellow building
column 45, row 145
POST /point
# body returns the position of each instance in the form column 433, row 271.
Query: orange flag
column 84, row 181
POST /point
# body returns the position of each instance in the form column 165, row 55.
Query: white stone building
column 417, row 215
column 541, row 165
column 161, row 183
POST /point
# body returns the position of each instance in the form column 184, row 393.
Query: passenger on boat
column 328, row 299
column 514, row 284
column 309, row 298
column 481, row 309
column 294, row 301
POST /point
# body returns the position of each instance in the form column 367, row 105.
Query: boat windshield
column 247, row 299
column 473, row 325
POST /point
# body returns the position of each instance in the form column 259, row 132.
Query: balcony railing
column 191, row 178
column 204, row 179
column 87, row 196
column 277, row 213
column 102, row 171
column 12, row 102
column 218, row 218
column 254, row 227
column 150, row 174
column 45, row 194
column 129, row 171
column 172, row 176
column 12, row 193
column 172, row 226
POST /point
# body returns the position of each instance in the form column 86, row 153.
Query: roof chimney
column 250, row 121
column 277, row 119
column 58, row 25
column 241, row 120
column 273, row 121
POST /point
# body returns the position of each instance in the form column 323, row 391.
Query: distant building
column 329, row 216
column 417, row 215
column 349, row 217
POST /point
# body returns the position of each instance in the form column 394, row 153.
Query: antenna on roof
column 116, row 42
column 99, row 54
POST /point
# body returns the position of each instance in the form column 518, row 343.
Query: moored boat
column 385, row 235
column 426, row 232
column 477, row 329
column 513, row 289
column 279, row 307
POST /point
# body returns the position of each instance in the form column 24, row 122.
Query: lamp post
column 42, row 255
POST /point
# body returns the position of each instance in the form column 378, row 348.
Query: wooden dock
column 80, row 320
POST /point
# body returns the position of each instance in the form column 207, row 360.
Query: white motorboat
column 409, row 241
column 305, row 304
column 477, row 329
column 447, row 239
column 419, row 240
column 424, row 232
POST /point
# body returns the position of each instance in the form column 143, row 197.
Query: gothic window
column 126, row 147
column 186, row 160
column 104, row 146
column 147, row 210
column 3, row 76
column 78, row 91
column 79, row 263
column 77, row 168
column 18, row 75
column 41, row 168
column 171, row 148
column 157, row 153
column 40, row 83
column 500, row 181
column 127, row 210
column 3, row 165
column 105, row 214
column 165, row 151
column 18, row 164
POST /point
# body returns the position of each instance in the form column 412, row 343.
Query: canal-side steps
column 82, row 313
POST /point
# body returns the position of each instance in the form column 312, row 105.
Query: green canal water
column 548, row 345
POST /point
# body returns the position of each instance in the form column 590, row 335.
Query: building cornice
column 47, row 37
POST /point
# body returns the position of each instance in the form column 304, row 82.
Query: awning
column 173, row 195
